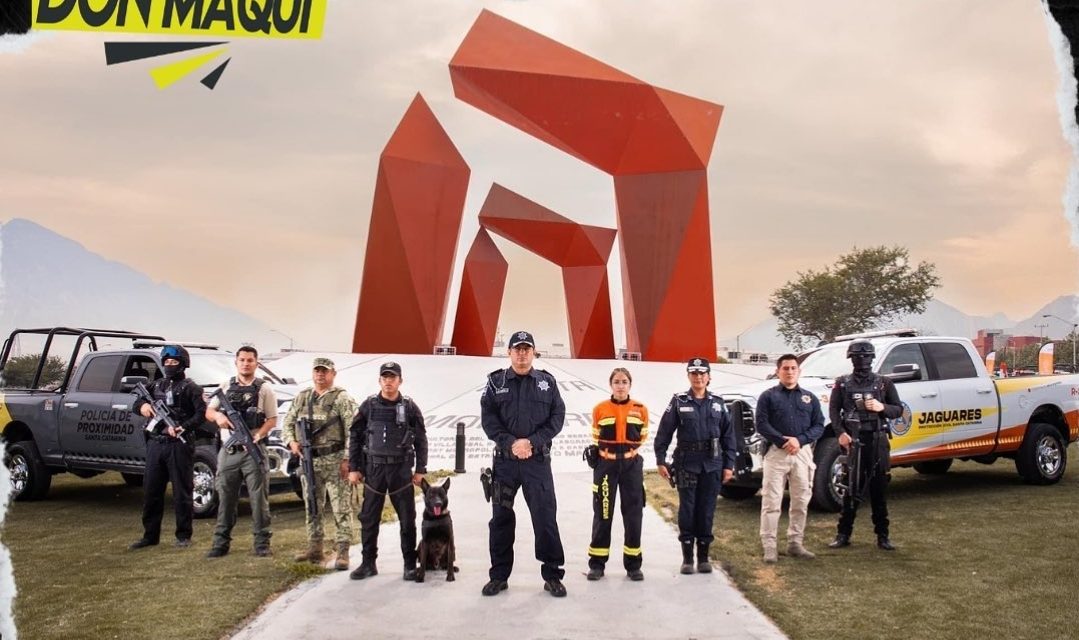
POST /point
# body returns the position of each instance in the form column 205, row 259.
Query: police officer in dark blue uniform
column 703, row 459
column 522, row 412
column 860, row 407
column 170, row 456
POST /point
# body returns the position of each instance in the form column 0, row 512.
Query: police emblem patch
column 717, row 407
column 543, row 385
column 806, row 399
column 901, row 425
column 521, row 335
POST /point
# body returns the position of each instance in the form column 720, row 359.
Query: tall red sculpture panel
column 654, row 142
column 483, row 282
column 580, row 250
column 412, row 241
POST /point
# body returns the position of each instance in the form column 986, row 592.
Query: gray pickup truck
column 73, row 414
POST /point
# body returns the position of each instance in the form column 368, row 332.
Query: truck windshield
column 829, row 362
column 215, row 368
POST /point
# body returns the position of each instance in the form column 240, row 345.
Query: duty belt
column 696, row 446
column 237, row 448
column 326, row 450
column 375, row 459
column 618, row 452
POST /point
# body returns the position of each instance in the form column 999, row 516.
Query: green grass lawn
column 76, row 578
column 980, row 555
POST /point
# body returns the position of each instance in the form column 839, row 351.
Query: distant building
column 989, row 340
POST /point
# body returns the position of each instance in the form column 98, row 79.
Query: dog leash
column 367, row 487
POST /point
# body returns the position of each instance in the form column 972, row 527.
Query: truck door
column 146, row 366
column 95, row 426
column 911, row 437
column 969, row 415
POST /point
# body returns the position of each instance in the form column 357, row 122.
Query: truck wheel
column 132, row 479
column 30, row 479
column 1043, row 455
column 730, row 492
column 933, row 467
column 205, row 493
column 827, row 494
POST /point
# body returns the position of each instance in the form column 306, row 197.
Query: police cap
column 522, row 337
column 698, row 365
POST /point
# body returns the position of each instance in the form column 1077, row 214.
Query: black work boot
column 884, row 543
column 555, row 587
column 365, row 570
column 595, row 573
column 703, row 564
column 410, row 573
column 687, row 558
column 841, row 540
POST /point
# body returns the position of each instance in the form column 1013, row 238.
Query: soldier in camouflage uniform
column 331, row 410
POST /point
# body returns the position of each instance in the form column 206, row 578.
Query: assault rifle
column 307, row 466
column 240, row 433
column 162, row 419
column 857, row 479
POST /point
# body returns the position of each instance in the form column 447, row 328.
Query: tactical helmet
column 861, row 348
column 177, row 352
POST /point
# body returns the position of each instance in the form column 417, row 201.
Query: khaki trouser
column 779, row 466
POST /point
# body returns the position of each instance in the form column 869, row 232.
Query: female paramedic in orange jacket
column 619, row 427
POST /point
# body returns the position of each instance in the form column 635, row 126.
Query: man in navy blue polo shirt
column 789, row 419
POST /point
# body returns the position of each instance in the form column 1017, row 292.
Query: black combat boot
column 687, row 557
column 841, row 540
column 884, row 543
column 365, row 570
column 703, row 565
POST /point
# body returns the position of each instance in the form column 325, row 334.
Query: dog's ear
column 446, row 484
column 424, row 484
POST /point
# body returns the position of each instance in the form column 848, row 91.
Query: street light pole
column 290, row 341
column 1075, row 328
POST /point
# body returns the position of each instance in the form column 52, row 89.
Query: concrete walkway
column 665, row 605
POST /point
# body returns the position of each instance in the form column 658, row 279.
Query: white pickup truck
column 952, row 409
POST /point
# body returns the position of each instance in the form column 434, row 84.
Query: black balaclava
column 863, row 363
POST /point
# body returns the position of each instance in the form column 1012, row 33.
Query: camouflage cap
column 325, row 363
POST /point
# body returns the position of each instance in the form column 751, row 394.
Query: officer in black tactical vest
column 522, row 411
column 168, row 457
column 703, row 459
column 388, row 437
column 860, row 406
column 257, row 404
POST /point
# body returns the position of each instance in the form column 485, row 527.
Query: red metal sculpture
column 581, row 251
column 655, row 143
column 412, row 242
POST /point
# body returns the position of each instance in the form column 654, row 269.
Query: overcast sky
column 925, row 124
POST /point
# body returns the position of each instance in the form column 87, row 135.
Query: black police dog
column 436, row 549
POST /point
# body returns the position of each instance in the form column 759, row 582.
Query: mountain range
column 49, row 280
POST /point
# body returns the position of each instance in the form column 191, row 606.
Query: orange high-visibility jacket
column 619, row 426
